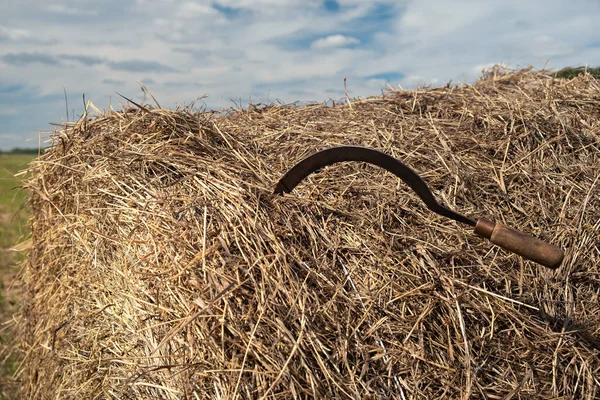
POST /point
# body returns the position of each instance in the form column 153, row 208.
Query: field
column 13, row 226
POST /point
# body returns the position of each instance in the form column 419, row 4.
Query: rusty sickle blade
column 508, row 238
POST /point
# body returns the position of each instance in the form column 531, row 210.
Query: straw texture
column 162, row 266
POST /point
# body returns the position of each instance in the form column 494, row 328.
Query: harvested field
column 162, row 266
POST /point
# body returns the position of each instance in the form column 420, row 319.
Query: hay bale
column 164, row 267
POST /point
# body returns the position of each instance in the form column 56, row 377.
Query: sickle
column 508, row 238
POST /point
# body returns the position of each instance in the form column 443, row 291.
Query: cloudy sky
column 237, row 51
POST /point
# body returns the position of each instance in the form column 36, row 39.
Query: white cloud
column 68, row 10
column 425, row 20
column 192, row 10
column 13, row 34
column 260, row 4
column 334, row 41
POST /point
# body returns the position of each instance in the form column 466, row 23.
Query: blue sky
column 237, row 51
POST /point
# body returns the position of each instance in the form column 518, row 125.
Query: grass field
column 13, row 227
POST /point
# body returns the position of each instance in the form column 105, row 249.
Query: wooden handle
column 520, row 243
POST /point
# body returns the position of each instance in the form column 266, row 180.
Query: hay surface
column 164, row 267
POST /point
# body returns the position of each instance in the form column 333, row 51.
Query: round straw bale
column 163, row 266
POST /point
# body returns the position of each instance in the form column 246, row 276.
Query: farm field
column 13, row 226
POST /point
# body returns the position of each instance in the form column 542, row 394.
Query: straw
column 163, row 266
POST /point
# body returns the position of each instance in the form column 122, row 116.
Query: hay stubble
column 164, row 267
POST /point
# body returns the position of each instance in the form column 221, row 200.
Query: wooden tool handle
column 520, row 243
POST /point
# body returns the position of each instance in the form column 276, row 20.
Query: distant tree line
column 572, row 72
column 21, row 150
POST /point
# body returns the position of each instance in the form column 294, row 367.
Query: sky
column 237, row 52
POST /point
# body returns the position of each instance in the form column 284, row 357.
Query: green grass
column 13, row 228
column 13, row 215
column 11, row 199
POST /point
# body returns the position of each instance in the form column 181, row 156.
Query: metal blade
column 356, row 153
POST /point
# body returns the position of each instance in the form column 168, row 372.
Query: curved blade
column 355, row 153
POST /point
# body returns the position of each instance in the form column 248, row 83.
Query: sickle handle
column 520, row 243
